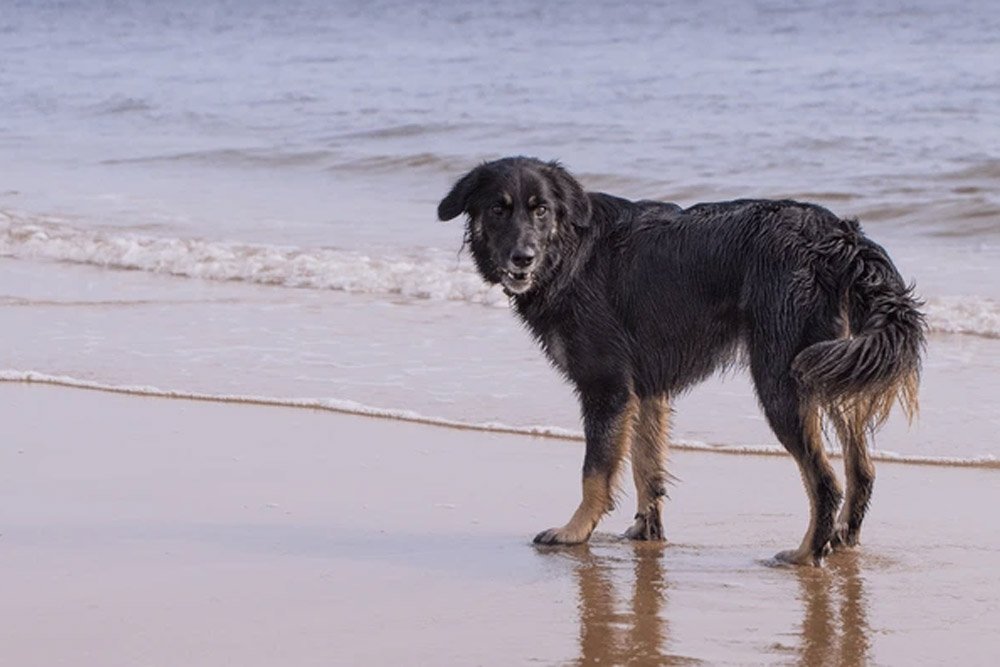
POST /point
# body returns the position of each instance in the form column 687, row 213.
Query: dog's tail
column 860, row 377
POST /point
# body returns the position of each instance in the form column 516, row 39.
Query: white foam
column 430, row 276
column 441, row 277
column 965, row 314
column 355, row 408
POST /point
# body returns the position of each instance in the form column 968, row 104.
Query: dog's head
column 521, row 212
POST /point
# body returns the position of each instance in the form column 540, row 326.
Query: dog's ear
column 574, row 204
column 457, row 201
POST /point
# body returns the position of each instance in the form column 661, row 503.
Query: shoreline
column 348, row 407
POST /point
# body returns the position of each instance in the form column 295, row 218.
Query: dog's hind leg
column 860, row 474
column 795, row 420
column 609, row 417
column 649, row 468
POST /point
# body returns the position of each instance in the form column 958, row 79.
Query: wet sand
column 150, row 531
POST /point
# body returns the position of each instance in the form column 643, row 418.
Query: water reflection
column 624, row 592
column 835, row 629
column 622, row 598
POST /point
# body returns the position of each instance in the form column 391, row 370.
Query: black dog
column 635, row 301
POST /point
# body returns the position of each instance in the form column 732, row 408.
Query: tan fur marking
column 649, row 467
column 596, row 502
column 649, row 449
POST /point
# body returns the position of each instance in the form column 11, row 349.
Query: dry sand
column 139, row 531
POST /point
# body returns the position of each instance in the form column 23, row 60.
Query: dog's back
column 679, row 291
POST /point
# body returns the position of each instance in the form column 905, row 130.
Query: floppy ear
column 574, row 204
column 457, row 201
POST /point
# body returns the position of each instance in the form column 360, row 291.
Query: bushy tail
column 860, row 377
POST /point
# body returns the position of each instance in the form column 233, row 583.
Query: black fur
column 640, row 299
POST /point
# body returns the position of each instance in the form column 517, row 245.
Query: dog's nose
column 522, row 258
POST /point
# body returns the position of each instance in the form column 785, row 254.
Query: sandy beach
column 139, row 530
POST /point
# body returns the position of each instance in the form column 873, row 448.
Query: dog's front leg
column 608, row 417
column 649, row 467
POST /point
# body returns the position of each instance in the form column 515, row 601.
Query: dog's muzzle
column 516, row 278
column 516, row 281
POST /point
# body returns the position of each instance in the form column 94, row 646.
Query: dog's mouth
column 515, row 282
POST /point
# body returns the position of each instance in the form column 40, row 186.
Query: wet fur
column 635, row 301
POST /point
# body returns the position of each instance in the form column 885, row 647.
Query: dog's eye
column 540, row 211
column 497, row 210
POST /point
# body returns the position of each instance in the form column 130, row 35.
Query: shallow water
column 169, row 172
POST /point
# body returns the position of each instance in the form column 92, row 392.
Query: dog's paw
column 843, row 538
column 563, row 535
column 797, row 557
column 646, row 528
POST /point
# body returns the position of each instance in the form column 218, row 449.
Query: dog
column 635, row 301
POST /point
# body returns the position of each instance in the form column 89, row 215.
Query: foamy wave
column 355, row 408
column 425, row 277
column 438, row 277
column 966, row 315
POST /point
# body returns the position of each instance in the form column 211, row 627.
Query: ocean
column 236, row 200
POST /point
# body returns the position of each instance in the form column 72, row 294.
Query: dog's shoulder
column 658, row 210
column 608, row 210
column 612, row 213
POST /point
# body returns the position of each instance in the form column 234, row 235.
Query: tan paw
column 797, row 557
column 564, row 535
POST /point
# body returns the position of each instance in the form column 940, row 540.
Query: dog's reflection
column 613, row 631
column 624, row 596
column 835, row 629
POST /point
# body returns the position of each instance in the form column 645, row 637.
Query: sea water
column 236, row 200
